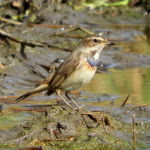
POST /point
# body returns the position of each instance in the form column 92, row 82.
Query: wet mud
column 58, row 127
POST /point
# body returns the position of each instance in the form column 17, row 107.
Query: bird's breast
column 91, row 64
column 79, row 77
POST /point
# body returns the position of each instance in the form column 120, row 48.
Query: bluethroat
column 77, row 69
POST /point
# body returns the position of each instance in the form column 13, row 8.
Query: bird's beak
column 109, row 43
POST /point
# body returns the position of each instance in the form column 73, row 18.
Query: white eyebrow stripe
column 99, row 38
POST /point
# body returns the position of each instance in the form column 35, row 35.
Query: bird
column 76, row 70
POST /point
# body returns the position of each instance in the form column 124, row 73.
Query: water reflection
column 134, row 82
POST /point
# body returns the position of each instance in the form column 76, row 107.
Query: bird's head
column 93, row 43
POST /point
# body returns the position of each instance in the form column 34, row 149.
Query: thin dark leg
column 67, row 95
column 58, row 92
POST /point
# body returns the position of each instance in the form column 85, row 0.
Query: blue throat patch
column 92, row 62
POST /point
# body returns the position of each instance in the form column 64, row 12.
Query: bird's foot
column 79, row 108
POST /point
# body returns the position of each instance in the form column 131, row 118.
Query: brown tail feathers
column 40, row 88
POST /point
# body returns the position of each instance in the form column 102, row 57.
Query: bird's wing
column 70, row 65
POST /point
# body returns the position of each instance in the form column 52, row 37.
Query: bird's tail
column 40, row 88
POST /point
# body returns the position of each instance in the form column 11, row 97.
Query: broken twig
column 28, row 136
column 133, row 132
column 28, row 43
column 10, row 21
column 74, row 29
column 124, row 102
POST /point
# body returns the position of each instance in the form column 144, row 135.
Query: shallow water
column 126, row 72
column 134, row 82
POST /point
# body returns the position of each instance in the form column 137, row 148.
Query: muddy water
column 106, row 92
column 134, row 82
column 126, row 71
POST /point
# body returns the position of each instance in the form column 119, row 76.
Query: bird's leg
column 58, row 92
column 67, row 95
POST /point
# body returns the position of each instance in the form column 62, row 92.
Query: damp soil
column 58, row 127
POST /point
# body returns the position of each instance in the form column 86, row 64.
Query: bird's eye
column 95, row 41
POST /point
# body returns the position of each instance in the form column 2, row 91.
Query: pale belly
column 78, row 78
